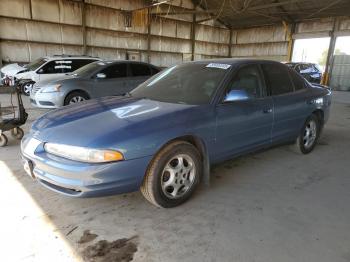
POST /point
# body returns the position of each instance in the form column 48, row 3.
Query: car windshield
column 36, row 64
column 89, row 68
column 192, row 84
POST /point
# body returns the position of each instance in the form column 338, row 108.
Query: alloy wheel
column 76, row 99
column 178, row 176
column 310, row 134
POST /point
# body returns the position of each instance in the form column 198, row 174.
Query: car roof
column 125, row 61
column 234, row 61
column 66, row 57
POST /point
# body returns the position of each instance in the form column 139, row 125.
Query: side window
column 77, row 63
column 140, row 70
column 53, row 67
column 278, row 79
column 115, row 71
column 65, row 65
column 247, row 82
column 154, row 70
column 298, row 80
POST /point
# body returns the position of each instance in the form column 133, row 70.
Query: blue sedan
column 164, row 135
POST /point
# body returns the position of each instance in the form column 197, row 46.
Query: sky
column 310, row 50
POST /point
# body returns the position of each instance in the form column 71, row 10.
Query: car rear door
column 115, row 81
column 246, row 123
column 290, row 103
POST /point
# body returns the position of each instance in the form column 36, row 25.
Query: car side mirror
column 236, row 95
column 40, row 71
column 101, row 76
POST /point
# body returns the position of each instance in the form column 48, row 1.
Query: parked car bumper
column 80, row 179
column 47, row 100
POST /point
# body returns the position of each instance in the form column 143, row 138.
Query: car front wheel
column 26, row 88
column 309, row 135
column 75, row 97
column 172, row 175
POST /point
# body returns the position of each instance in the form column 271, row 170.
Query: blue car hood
column 110, row 121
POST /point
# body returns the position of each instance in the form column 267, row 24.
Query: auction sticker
column 218, row 65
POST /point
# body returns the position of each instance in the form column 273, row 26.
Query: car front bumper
column 79, row 179
column 47, row 100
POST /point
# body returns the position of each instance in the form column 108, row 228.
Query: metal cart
column 12, row 116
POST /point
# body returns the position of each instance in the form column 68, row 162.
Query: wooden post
column 83, row 26
column 193, row 36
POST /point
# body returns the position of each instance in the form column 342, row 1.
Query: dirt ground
column 275, row 205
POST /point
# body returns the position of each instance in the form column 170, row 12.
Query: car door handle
column 267, row 111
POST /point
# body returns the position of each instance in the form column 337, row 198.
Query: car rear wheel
column 172, row 175
column 26, row 88
column 75, row 97
column 309, row 135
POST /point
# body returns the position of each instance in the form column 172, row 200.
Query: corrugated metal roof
column 248, row 13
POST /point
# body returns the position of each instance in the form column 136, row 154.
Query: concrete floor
column 270, row 206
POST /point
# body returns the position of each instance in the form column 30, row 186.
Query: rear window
column 278, row 79
column 297, row 79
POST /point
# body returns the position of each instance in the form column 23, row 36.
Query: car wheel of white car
column 26, row 88
column 75, row 97
column 172, row 175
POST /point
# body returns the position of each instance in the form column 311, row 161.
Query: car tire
column 173, row 175
column 75, row 97
column 17, row 133
column 309, row 135
column 3, row 140
column 26, row 87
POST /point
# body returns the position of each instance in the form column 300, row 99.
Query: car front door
column 52, row 70
column 139, row 74
column 290, row 98
column 112, row 80
column 245, row 114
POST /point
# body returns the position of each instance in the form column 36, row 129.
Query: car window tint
column 77, row 63
column 140, row 70
column 278, row 79
column 115, row 71
column 247, row 79
column 298, row 80
column 53, row 67
column 154, row 70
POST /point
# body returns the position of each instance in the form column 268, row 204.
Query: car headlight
column 83, row 154
column 51, row 89
column 318, row 101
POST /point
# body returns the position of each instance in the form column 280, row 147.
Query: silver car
column 98, row 79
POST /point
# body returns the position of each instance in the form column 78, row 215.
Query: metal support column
column 193, row 36
column 330, row 54
column 230, row 44
column 149, row 20
column 83, row 26
column 290, row 30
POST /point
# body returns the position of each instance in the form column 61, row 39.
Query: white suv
column 49, row 68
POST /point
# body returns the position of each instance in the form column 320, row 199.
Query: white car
column 9, row 71
column 49, row 68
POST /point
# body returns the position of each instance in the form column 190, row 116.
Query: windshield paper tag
column 217, row 65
